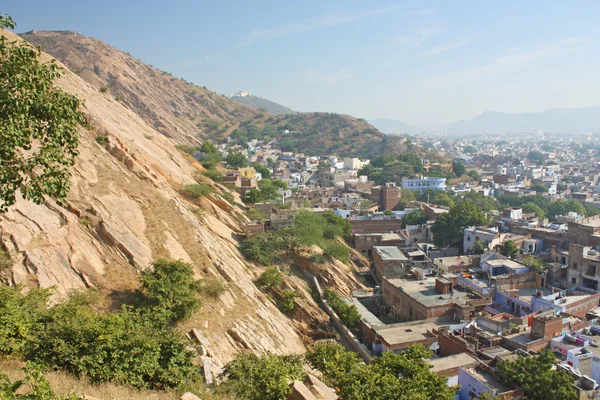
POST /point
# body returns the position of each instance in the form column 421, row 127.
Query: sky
column 425, row 63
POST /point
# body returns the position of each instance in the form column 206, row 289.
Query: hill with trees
column 261, row 104
column 189, row 113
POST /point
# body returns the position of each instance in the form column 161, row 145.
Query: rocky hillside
column 261, row 104
column 125, row 210
column 188, row 113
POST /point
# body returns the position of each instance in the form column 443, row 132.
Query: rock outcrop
column 124, row 211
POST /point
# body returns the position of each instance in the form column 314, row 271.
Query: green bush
column 336, row 250
column 262, row 378
column 103, row 89
column 287, row 301
column 102, row 140
column 319, row 258
column 169, row 290
column 213, row 174
column 271, row 278
column 195, row 191
column 347, row 313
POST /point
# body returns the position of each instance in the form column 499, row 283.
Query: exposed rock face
column 124, row 211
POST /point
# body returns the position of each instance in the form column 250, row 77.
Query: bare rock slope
column 123, row 211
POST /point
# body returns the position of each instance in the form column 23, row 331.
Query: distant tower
column 389, row 196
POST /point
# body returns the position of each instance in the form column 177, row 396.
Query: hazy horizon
column 427, row 63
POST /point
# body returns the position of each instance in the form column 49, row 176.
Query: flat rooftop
column 390, row 236
column 457, row 360
column 388, row 253
column 487, row 379
column 506, row 263
column 394, row 334
column 454, row 261
column 527, row 294
column 424, row 292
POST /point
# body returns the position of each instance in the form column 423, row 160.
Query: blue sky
column 426, row 63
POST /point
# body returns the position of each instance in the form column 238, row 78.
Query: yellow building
column 247, row 172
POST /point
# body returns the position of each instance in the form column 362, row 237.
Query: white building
column 490, row 237
column 354, row 163
column 423, row 184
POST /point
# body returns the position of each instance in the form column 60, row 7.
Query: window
column 468, row 238
column 573, row 280
column 574, row 265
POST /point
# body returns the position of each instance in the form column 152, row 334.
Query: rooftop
column 388, row 253
column 402, row 333
column 487, row 379
column 527, row 294
column 424, row 292
column 510, row 264
column 454, row 361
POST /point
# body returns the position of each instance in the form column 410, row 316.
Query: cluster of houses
column 476, row 311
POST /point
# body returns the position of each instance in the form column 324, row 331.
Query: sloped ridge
column 124, row 211
column 175, row 108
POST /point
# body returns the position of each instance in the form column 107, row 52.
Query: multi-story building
column 584, row 266
column 389, row 196
column 389, row 261
column 422, row 184
column 354, row 163
column 490, row 237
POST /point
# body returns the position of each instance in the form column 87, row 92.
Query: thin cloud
column 416, row 38
column 442, row 49
column 385, row 65
column 315, row 75
column 321, row 22
column 512, row 60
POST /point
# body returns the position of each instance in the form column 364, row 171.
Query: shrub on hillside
column 195, row 191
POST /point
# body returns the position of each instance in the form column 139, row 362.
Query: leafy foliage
column 38, row 128
column 509, row 249
column 347, row 313
column 478, row 248
column 537, row 378
column 392, row 376
column 236, row 159
column 414, row 218
column 195, row 191
column 458, row 168
column 262, row 378
column 271, row 278
column 449, row 227
column 287, row 301
column 531, row 207
column 311, row 229
column 170, row 290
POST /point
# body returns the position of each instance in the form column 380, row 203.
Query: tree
column 531, row 207
column 171, row 290
column 478, row 248
column 262, row 378
column 591, row 210
column 208, row 147
column 388, row 212
column 458, row 168
column 38, row 125
column 414, row 218
column 253, row 196
column 509, row 249
column 539, row 188
column 264, row 172
column 444, row 200
column 474, row 175
column 536, row 156
column 537, row 378
column 392, row 376
column 236, row 159
column 449, row 227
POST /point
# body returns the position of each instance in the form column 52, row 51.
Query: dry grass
column 64, row 384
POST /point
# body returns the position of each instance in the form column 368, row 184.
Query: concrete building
column 355, row 163
column 584, row 266
column 333, row 178
column 389, row 261
column 490, row 237
column 365, row 242
column 473, row 382
column 423, row 184
column 503, row 267
column 432, row 297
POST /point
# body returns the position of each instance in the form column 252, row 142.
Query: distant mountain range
column 247, row 99
column 568, row 120
column 390, row 126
